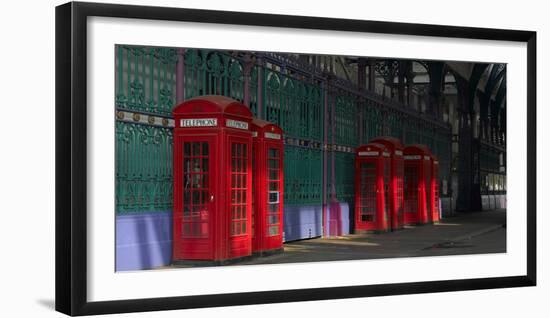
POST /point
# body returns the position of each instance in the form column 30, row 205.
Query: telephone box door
column 240, row 200
column 428, row 188
column 435, row 190
column 412, row 188
column 194, row 204
column 273, row 230
column 367, row 193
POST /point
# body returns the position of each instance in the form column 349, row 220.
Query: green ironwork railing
column 212, row 73
column 303, row 170
column 345, row 120
column 371, row 125
column 345, row 176
column 294, row 105
column 143, row 168
column 146, row 83
column 145, row 79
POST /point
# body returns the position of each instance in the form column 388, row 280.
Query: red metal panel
column 396, row 198
column 435, row 189
column 417, row 184
column 268, row 186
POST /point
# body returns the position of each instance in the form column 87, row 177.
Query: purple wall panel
column 143, row 241
column 302, row 222
column 338, row 222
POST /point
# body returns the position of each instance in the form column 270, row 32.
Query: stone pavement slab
column 467, row 233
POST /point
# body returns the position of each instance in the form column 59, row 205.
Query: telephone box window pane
column 411, row 188
column 238, row 188
column 186, row 197
column 273, row 153
column 186, row 166
column 273, row 230
column 186, row 149
column 273, row 186
column 186, row 212
column 196, row 197
column 273, row 219
column 273, row 174
column 368, row 192
column 196, row 149
column 273, row 197
column 367, row 217
column 273, row 164
column 205, row 149
column 273, row 208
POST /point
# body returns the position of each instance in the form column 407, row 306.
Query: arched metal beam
column 477, row 72
column 498, row 71
column 501, row 93
column 437, row 79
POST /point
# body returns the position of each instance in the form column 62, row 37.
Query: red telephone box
column 434, row 189
column 212, row 180
column 396, row 199
column 267, row 187
column 417, row 174
column 372, row 179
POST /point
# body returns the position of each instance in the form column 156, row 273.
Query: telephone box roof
column 212, row 104
column 262, row 125
column 417, row 149
column 391, row 143
column 371, row 147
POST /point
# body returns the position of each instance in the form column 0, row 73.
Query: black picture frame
column 71, row 157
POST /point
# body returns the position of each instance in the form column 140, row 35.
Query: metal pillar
column 180, row 77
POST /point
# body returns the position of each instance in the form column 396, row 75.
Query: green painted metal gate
column 290, row 97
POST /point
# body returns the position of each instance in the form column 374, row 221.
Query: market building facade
column 326, row 107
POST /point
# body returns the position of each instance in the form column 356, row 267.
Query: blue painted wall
column 143, row 240
column 302, row 222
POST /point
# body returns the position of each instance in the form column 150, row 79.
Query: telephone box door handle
column 211, row 198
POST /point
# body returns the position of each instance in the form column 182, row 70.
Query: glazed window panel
column 273, row 195
column 411, row 189
column 239, row 173
column 399, row 184
column 367, row 192
column 427, row 192
column 253, row 189
column 386, row 187
column 195, row 189
column 436, row 193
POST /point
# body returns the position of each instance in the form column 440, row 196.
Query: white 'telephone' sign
column 199, row 122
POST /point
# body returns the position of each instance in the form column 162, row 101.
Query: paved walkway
column 468, row 233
